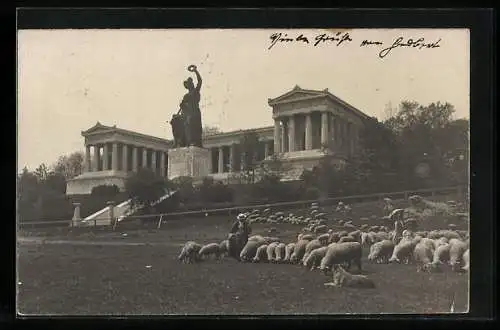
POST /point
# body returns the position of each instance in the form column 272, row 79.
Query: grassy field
column 93, row 278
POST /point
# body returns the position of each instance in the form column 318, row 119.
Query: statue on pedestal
column 186, row 123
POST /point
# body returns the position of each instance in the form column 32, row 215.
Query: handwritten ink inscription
column 338, row 39
column 419, row 43
column 344, row 38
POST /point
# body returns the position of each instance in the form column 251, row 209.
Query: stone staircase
column 120, row 212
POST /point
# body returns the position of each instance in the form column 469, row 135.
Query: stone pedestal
column 111, row 211
column 83, row 184
column 188, row 161
column 76, row 215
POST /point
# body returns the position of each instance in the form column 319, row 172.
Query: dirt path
column 40, row 240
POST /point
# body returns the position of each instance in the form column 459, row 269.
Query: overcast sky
column 70, row 79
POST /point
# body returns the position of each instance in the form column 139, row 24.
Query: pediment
column 295, row 95
column 98, row 128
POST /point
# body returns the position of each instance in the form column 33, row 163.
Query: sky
column 70, row 79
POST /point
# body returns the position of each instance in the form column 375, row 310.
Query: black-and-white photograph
column 242, row 171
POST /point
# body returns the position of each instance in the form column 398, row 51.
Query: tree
column 55, row 182
column 41, row 172
column 425, row 135
column 70, row 166
column 210, row 130
column 40, row 195
column 274, row 166
column 145, row 187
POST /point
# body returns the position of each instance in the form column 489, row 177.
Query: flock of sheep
column 319, row 247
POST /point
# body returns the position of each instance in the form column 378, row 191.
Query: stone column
column 135, row 158
column 232, row 158
column 339, row 132
column 144, row 158
column 356, row 137
column 210, row 160
column 284, row 131
column 350, row 132
column 125, row 158
column 344, row 135
column 114, row 157
column 309, row 133
column 221, row 160
column 291, row 133
column 333, row 130
column 153, row 161
column 266, row 149
column 88, row 165
column 162, row 163
column 97, row 157
column 105, row 154
column 277, row 144
column 324, row 128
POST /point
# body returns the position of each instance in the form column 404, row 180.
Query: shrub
column 105, row 191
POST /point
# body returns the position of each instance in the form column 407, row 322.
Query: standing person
column 238, row 235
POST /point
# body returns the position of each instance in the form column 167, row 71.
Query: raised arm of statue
column 192, row 68
column 198, row 80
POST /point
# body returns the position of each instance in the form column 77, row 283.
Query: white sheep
column 382, row 235
column 349, row 225
column 288, row 251
column 347, row 238
column 279, row 252
column 209, row 249
column 261, row 254
column 356, row 235
column 307, row 237
column 440, row 241
column 270, row 239
column 189, row 252
column 364, row 227
column 334, row 237
column 312, row 245
column 271, row 249
column 323, row 238
column 343, row 233
column 457, row 249
column 339, row 253
column 381, row 251
column 223, row 247
column 321, row 229
column 298, row 251
column 366, row 239
column 427, row 242
column 449, row 234
column 407, row 233
column 313, row 260
column 342, row 278
column 423, row 255
column 257, row 238
column 466, row 259
column 434, row 234
column 250, row 249
column 403, row 251
column 441, row 255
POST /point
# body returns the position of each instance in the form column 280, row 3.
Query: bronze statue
column 189, row 113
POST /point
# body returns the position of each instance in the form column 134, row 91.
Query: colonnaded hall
column 304, row 121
